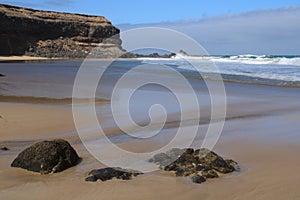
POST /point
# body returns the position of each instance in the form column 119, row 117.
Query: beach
column 21, row 58
column 149, row 100
column 260, row 133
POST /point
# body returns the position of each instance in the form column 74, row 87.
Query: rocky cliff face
column 53, row 34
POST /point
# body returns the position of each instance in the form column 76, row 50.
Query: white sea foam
column 247, row 59
column 253, row 66
column 289, row 61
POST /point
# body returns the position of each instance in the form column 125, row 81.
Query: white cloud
column 258, row 32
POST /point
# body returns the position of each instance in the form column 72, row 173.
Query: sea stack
column 54, row 34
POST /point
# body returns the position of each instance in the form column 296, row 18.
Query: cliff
column 53, row 34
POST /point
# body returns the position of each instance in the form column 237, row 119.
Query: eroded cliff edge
column 53, row 34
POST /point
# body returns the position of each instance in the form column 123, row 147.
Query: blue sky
column 142, row 11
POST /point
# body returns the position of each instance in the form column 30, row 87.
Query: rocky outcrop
column 4, row 149
column 47, row 157
column 152, row 55
column 199, row 164
column 110, row 173
column 53, row 34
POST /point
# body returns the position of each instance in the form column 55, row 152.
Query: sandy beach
column 265, row 143
column 21, row 58
column 149, row 100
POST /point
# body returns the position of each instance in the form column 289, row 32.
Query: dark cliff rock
column 47, row 157
column 53, row 34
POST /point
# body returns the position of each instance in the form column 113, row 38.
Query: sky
column 141, row 11
column 263, row 32
column 222, row 27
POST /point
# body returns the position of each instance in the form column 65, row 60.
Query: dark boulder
column 47, row 157
column 4, row 149
column 110, row 173
column 2, row 75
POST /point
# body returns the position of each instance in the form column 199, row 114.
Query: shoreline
column 22, row 58
column 46, row 100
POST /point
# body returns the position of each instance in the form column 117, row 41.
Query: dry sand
column 270, row 166
column 21, row 58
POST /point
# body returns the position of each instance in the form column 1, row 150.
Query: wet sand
column 25, row 122
column 261, row 133
column 45, row 100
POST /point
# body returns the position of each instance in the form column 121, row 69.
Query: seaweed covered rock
column 47, row 157
column 110, row 173
column 200, row 164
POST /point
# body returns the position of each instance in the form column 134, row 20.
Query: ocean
column 54, row 79
column 254, row 69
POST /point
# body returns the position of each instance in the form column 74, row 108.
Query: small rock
column 198, row 179
column 47, row 157
column 110, row 173
column 2, row 75
column 210, row 174
column 233, row 164
column 91, row 179
column 4, row 149
column 179, row 172
column 189, row 151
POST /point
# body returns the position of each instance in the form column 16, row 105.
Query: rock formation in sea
column 47, row 157
column 53, row 34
